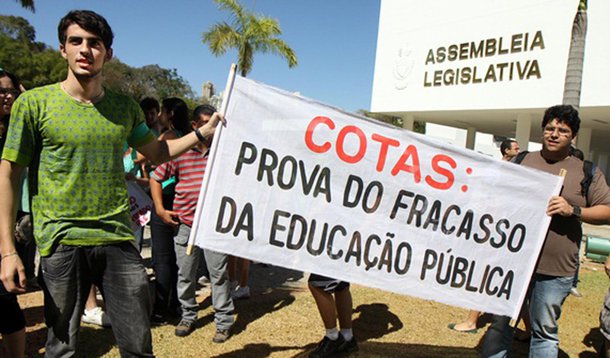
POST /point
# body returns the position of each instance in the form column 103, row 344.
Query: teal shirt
column 75, row 154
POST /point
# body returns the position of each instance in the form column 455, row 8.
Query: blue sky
column 334, row 40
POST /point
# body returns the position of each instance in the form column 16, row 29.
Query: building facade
column 489, row 69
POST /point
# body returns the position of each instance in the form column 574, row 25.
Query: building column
column 408, row 122
column 471, row 135
column 583, row 141
column 523, row 130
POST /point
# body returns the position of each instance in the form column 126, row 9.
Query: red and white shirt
column 188, row 170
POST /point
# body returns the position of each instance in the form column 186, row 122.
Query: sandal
column 471, row 331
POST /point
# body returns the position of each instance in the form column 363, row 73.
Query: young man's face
column 85, row 52
column 557, row 136
column 513, row 150
column 201, row 121
column 152, row 116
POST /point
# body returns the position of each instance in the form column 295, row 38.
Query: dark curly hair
column 564, row 113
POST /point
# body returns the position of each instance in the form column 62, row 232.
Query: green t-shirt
column 75, row 154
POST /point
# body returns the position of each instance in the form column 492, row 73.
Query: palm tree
column 27, row 4
column 576, row 57
column 247, row 33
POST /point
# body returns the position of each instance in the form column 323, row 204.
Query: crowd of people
column 81, row 142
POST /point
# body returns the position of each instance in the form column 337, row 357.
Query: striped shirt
column 188, row 170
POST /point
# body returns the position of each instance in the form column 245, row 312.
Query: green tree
column 33, row 62
column 147, row 81
column 17, row 28
column 576, row 57
column 36, row 65
column 248, row 33
column 419, row 127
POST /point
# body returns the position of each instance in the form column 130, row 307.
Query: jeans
column 164, row 262
column 187, row 273
column 217, row 264
column 187, row 281
column 546, row 296
column 139, row 235
column 117, row 269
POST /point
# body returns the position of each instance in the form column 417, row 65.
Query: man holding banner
column 552, row 280
column 310, row 187
column 188, row 170
column 71, row 135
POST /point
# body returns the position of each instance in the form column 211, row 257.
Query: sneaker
column 97, row 317
column 241, row 293
column 347, row 346
column 184, row 328
column 221, row 336
column 327, row 347
column 202, row 281
column 574, row 292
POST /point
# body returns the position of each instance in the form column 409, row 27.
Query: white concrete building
column 490, row 68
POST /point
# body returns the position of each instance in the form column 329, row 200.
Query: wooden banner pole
column 226, row 95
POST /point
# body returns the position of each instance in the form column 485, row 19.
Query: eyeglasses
column 562, row 131
column 7, row 91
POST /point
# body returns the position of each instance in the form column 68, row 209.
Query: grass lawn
column 281, row 320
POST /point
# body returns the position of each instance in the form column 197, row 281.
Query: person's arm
column 11, row 265
column 156, row 192
column 596, row 215
column 140, row 159
column 162, row 151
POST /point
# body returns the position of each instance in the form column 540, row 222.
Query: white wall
column 484, row 143
column 409, row 31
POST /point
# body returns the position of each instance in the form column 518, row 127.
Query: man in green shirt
column 71, row 135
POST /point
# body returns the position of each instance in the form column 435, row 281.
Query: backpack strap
column 588, row 169
column 519, row 157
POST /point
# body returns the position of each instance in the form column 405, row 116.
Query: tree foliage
column 17, row 28
column 248, row 33
column 36, row 64
column 27, row 4
column 33, row 62
column 419, row 127
column 147, row 81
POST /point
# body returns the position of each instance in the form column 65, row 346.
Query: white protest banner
column 303, row 185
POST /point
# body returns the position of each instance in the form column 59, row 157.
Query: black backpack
column 588, row 169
